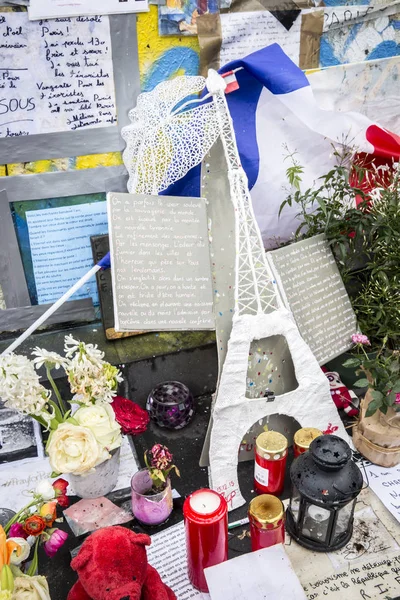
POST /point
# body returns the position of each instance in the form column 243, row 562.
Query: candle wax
column 205, row 503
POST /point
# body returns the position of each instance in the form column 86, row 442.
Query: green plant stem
column 34, row 564
column 57, row 393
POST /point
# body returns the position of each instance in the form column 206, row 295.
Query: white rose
column 24, row 552
column 31, row 588
column 74, row 449
column 45, row 490
column 100, row 419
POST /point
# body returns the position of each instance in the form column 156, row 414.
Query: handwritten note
column 66, row 256
column 246, row 32
column 378, row 577
column 160, row 263
column 308, row 276
column 167, row 554
column 386, row 485
column 47, row 9
column 55, row 75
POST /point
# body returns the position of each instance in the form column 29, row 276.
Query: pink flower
column 359, row 338
column 397, row 401
column 57, row 539
column 17, row 530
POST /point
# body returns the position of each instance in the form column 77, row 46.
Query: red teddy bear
column 112, row 565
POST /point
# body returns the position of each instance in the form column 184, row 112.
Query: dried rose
column 57, row 539
column 160, row 457
column 49, row 513
column 132, row 419
column 34, row 525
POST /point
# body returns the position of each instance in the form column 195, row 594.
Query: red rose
column 60, row 487
column 132, row 419
column 34, row 525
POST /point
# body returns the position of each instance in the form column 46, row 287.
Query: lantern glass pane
column 316, row 522
column 343, row 520
column 295, row 503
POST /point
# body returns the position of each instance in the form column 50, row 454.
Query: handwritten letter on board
column 55, row 75
column 308, row 277
column 160, row 262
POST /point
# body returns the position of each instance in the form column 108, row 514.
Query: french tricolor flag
column 275, row 114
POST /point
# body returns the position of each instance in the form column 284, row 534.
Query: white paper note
column 48, row 9
column 246, row 32
column 18, row 478
column 263, row 575
column 55, row 75
column 67, row 254
column 386, row 485
column 167, row 554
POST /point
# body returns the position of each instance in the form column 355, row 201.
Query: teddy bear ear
column 83, row 556
column 141, row 538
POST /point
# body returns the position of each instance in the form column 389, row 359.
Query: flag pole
column 103, row 264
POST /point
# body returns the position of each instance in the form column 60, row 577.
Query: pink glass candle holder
column 147, row 507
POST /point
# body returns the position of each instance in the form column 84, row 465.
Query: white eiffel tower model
column 164, row 131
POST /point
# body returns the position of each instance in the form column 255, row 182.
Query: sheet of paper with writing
column 50, row 9
column 386, row 485
column 263, row 575
column 246, row 32
column 167, row 554
column 67, row 254
column 18, row 478
column 55, row 75
column 160, row 262
column 309, row 280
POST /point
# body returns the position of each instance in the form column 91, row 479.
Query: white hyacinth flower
column 44, row 356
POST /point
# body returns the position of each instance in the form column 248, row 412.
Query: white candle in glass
column 205, row 502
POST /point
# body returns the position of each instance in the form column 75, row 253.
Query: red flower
column 63, row 501
column 60, row 487
column 34, row 525
column 132, row 419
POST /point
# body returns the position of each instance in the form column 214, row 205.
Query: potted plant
column 151, row 487
column 84, row 433
column 377, row 432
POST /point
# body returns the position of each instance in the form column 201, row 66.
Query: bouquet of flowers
column 30, row 527
column 83, row 434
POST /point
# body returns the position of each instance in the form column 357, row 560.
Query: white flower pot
column 99, row 483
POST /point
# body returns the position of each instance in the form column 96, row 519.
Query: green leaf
column 396, row 386
column 383, row 409
column 57, row 411
column 55, row 474
column 352, row 362
column 72, row 420
column 372, row 408
column 377, row 395
column 391, row 398
column 34, row 564
column 361, row 383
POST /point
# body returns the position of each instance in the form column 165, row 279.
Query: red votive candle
column 267, row 522
column 206, row 524
column 270, row 463
column 303, row 438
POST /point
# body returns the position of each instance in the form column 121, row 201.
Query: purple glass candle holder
column 150, row 509
column 171, row 405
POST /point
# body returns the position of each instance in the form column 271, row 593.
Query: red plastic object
column 206, row 537
column 272, row 472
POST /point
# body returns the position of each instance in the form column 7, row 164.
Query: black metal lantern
column 325, row 485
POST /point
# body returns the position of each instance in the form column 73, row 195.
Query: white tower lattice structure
column 168, row 137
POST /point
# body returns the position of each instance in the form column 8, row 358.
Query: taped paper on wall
column 50, row 9
column 55, row 75
column 67, row 254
